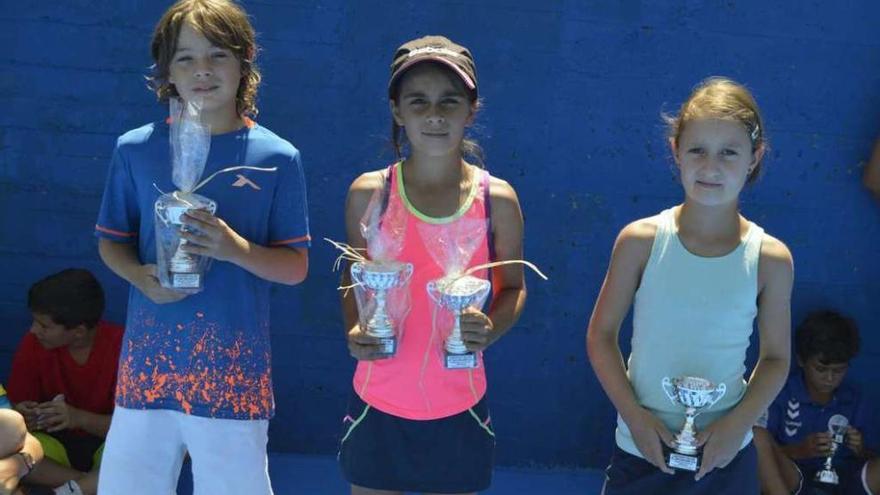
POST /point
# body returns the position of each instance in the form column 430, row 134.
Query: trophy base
column 387, row 346
column 385, row 338
column 186, row 281
column 827, row 477
column 683, row 461
column 456, row 361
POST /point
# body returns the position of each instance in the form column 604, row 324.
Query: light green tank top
column 692, row 316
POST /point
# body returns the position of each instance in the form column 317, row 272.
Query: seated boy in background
column 63, row 379
column 793, row 441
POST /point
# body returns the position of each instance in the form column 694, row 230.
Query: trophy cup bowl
column 693, row 392
column 837, row 426
column 696, row 395
column 380, row 277
column 457, row 294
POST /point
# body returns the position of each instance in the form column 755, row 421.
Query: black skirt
column 447, row 455
column 631, row 475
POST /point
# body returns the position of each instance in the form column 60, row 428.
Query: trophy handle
column 211, row 206
column 486, row 291
column 433, row 293
column 164, row 214
column 357, row 273
column 406, row 273
column 669, row 389
column 718, row 393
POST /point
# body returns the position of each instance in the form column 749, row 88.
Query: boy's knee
column 13, row 431
column 762, row 440
column 872, row 475
column 53, row 449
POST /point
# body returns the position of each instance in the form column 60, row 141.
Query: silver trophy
column 696, row 395
column 181, row 262
column 456, row 294
column 837, row 426
column 380, row 277
column 181, row 271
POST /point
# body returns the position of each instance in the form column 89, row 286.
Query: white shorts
column 145, row 450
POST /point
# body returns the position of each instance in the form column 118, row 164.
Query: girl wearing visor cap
column 413, row 424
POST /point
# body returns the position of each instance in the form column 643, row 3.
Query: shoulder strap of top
column 754, row 239
column 388, row 189
column 487, row 205
column 663, row 236
column 665, row 227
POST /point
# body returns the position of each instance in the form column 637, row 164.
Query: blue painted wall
column 573, row 93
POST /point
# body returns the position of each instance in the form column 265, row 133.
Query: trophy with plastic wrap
column 456, row 294
column 696, row 395
column 379, row 278
column 179, row 270
column 837, row 426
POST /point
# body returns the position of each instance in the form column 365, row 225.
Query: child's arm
column 361, row 346
column 855, row 441
column 871, row 177
column 13, row 432
column 94, row 423
column 18, row 465
column 214, row 238
column 58, row 415
column 815, row 445
column 479, row 330
column 123, row 260
column 776, row 474
column 861, row 427
column 23, row 387
column 628, row 259
column 28, row 410
column 723, row 438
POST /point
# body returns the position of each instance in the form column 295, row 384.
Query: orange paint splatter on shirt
column 217, row 377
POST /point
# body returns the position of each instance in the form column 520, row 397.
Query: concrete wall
column 573, row 93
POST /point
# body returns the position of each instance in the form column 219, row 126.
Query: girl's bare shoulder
column 368, row 181
column 776, row 258
column 641, row 231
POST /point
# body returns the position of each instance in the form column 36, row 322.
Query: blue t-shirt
column 793, row 416
column 208, row 354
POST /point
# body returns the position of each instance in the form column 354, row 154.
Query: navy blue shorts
column 850, row 474
column 632, row 475
column 447, row 455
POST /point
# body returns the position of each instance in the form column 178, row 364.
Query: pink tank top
column 414, row 384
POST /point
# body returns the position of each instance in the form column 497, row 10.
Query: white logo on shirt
column 244, row 181
column 792, row 413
